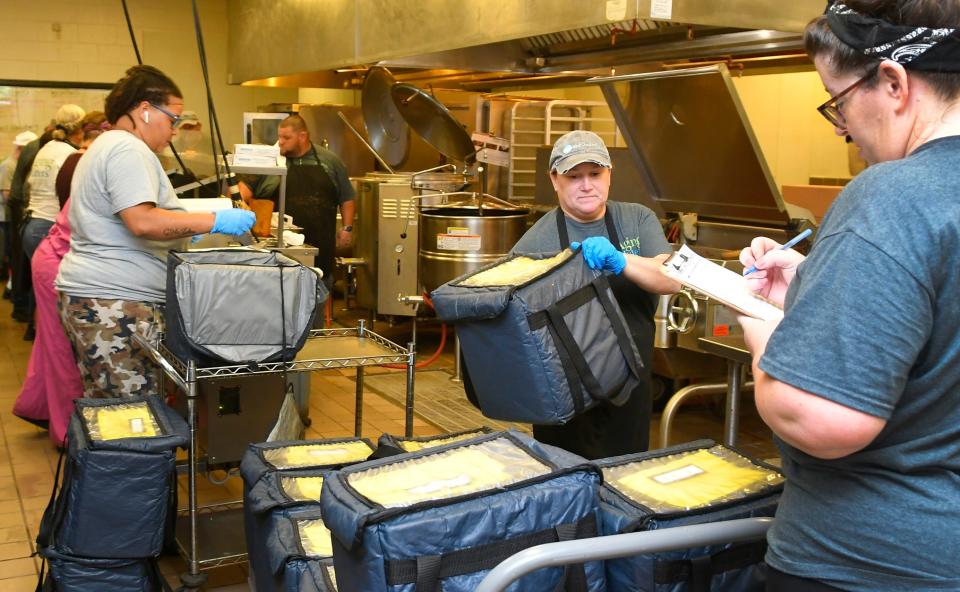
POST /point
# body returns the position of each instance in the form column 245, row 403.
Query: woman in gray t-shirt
column 125, row 216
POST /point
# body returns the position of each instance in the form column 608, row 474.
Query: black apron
column 311, row 199
column 607, row 430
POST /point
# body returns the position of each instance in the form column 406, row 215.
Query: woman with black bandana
column 860, row 381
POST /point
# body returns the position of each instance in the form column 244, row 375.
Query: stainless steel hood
column 529, row 38
column 690, row 137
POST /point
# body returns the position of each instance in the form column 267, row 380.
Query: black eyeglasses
column 831, row 108
column 174, row 119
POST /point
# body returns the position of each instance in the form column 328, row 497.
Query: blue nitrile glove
column 233, row 221
column 599, row 253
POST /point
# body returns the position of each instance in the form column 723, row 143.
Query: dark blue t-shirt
column 873, row 323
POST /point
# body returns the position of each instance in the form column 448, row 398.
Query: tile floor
column 28, row 460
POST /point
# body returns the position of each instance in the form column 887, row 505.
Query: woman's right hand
column 233, row 221
column 776, row 268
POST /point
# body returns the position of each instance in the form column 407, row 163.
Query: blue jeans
column 34, row 231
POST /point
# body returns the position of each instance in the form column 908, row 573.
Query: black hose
column 136, row 50
column 214, row 122
column 133, row 38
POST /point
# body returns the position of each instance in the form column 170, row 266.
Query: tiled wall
column 88, row 41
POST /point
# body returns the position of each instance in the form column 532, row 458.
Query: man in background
column 21, row 286
column 317, row 185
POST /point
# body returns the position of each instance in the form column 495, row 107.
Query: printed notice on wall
column 458, row 242
column 661, row 9
column 616, row 10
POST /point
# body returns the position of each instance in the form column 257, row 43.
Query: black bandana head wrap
column 916, row 48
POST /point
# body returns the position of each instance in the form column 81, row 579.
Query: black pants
column 777, row 581
column 21, row 291
column 605, row 430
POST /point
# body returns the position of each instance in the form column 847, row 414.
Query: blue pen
column 790, row 243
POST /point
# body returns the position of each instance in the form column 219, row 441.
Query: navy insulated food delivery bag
column 693, row 483
column 282, row 475
column 543, row 338
column 441, row 518
column 80, row 574
column 118, row 480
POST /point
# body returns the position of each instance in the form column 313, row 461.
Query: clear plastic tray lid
column 317, row 455
column 302, row 489
column 123, row 420
column 516, row 271
column 415, row 445
column 473, row 468
column 315, row 538
column 691, row 480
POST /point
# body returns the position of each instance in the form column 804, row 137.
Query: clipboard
column 718, row 283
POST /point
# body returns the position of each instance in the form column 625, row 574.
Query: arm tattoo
column 180, row 232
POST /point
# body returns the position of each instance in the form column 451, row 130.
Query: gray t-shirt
column 873, row 323
column 105, row 259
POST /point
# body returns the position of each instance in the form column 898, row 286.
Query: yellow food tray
column 125, row 420
column 474, row 468
column 691, row 480
column 317, row 455
column 415, row 445
column 302, row 489
column 315, row 538
column 516, row 271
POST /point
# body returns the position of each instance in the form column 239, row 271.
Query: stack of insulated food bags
column 105, row 527
column 388, row 444
column 442, row 517
column 542, row 336
column 693, row 483
column 279, row 477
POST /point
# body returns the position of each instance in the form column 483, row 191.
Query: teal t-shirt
column 873, row 323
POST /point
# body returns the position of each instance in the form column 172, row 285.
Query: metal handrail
column 621, row 545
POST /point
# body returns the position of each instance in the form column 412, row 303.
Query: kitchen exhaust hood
column 473, row 45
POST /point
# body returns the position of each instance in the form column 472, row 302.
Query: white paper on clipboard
column 719, row 283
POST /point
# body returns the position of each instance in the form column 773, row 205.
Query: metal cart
column 621, row 545
column 209, row 536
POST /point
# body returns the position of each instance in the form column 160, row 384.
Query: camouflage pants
column 111, row 363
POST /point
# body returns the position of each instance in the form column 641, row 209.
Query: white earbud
column 145, row 116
